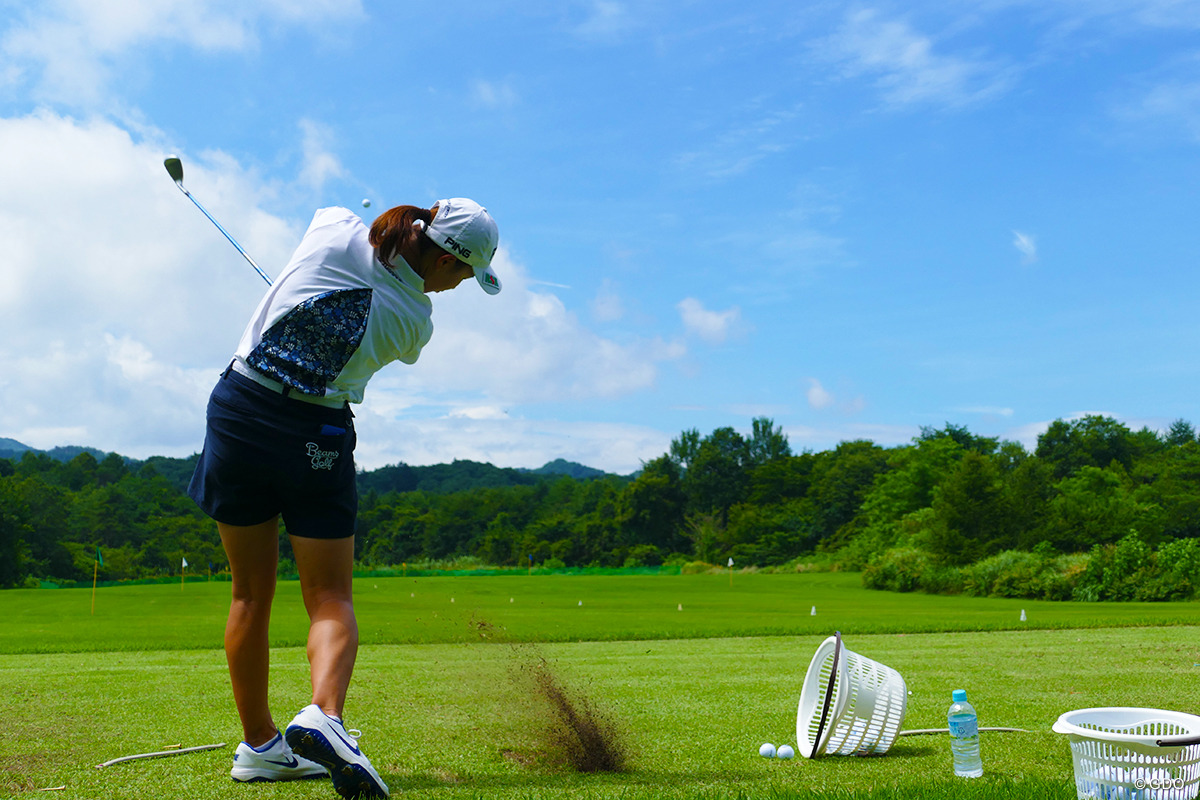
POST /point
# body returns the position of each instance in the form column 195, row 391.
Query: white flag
column 731, row 561
column 185, row 561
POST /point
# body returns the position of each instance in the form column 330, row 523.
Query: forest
column 1096, row 511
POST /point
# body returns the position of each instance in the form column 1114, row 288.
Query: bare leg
column 326, row 568
column 253, row 553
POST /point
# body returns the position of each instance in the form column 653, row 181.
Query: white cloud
column 817, row 395
column 67, row 47
column 505, row 442
column 713, row 327
column 907, row 66
column 987, row 411
column 523, row 346
column 120, row 300
column 319, row 164
column 479, row 412
column 819, row 398
column 120, row 304
column 1027, row 246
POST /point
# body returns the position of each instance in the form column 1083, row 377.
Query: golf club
column 175, row 170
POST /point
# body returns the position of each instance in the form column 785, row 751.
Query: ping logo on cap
column 463, row 252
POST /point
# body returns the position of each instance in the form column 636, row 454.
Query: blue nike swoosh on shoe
column 352, row 745
column 291, row 762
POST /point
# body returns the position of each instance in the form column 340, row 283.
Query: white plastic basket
column 850, row 705
column 1133, row 753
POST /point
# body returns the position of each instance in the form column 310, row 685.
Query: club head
column 174, row 168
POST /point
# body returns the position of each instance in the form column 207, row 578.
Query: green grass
column 449, row 716
column 544, row 609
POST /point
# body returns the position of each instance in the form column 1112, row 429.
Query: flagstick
column 95, row 572
column 182, row 570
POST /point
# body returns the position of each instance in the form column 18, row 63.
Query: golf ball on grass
column 785, row 751
column 767, row 750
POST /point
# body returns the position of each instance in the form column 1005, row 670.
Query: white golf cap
column 465, row 229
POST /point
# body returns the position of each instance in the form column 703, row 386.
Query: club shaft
column 232, row 241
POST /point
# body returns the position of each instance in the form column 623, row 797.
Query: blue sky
column 854, row 218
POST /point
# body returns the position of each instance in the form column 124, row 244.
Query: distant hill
column 464, row 475
column 443, row 478
column 571, row 469
column 11, row 448
column 438, row 478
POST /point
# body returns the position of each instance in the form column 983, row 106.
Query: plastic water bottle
column 964, row 737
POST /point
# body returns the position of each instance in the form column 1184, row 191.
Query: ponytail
column 400, row 227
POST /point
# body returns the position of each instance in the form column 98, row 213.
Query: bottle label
column 964, row 728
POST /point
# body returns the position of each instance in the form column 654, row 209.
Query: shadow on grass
column 902, row 752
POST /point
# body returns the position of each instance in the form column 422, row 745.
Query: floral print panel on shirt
column 311, row 344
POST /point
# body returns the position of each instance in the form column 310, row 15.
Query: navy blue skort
column 266, row 454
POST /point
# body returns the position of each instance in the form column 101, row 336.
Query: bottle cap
column 960, row 695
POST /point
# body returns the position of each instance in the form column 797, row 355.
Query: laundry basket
column 850, row 705
column 1133, row 753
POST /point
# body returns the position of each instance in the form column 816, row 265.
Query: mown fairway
column 551, row 608
column 451, row 715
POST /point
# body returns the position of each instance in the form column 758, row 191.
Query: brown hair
column 394, row 228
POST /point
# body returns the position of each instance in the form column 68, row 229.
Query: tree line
column 1095, row 511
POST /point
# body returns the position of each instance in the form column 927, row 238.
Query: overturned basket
column 1128, row 753
column 850, row 705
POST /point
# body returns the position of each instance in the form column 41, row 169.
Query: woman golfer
column 280, row 443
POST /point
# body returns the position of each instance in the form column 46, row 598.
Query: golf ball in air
column 366, row 203
column 785, row 751
column 767, row 750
